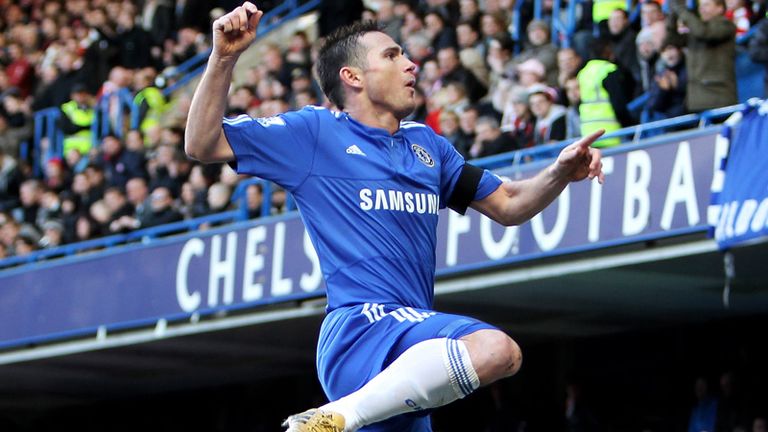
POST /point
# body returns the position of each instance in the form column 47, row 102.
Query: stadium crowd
column 486, row 92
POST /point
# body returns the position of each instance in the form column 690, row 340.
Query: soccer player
column 369, row 187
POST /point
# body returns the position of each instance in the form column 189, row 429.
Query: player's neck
column 372, row 116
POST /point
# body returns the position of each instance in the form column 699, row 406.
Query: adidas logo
column 353, row 149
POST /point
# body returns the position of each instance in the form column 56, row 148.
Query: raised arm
column 233, row 33
column 514, row 203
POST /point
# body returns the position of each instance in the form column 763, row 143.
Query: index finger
column 587, row 141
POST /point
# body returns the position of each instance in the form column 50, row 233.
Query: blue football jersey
column 369, row 199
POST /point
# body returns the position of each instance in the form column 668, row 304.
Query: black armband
column 465, row 188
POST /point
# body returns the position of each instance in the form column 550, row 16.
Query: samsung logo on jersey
column 395, row 200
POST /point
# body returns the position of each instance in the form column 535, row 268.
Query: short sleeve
column 280, row 148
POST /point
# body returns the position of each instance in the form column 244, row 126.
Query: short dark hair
column 342, row 48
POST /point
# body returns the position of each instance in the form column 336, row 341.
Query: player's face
column 389, row 77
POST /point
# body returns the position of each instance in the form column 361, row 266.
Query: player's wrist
column 558, row 173
column 223, row 60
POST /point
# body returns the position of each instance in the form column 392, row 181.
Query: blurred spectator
column 413, row 23
column 467, row 123
column 429, row 78
column 218, row 198
column 241, row 100
column 501, row 64
column 276, row 66
column 667, row 92
column 647, row 57
column 57, row 177
column 76, row 162
column 254, row 196
column 161, row 209
column 652, row 21
column 623, row 37
column 569, row 62
column 390, row 23
column 650, row 13
column 134, row 44
column 419, row 48
column 19, row 70
column 119, row 164
column 102, row 216
column 279, row 199
column 602, row 9
column 758, row 49
column 149, row 99
column 10, row 181
column 605, row 91
column 491, row 24
column 449, row 9
column 454, row 96
column 85, row 228
column 513, row 90
column 549, row 118
column 739, row 14
column 50, row 207
column 119, row 207
column 469, row 11
column 572, row 118
column 540, row 48
column 134, row 141
column 81, row 191
column 137, row 193
column 100, row 51
column 441, row 33
column 704, row 412
column 190, row 42
column 77, row 117
column 489, row 139
column 15, row 121
column 24, row 245
column 157, row 19
column 298, row 53
column 30, row 193
column 165, row 169
column 53, row 235
column 468, row 38
column 711, row 55
column 9, row 230
column 112, row 94
column 449, row 128
column 60, row 88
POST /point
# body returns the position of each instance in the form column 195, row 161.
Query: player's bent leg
column 427, row 375
column 494, row 355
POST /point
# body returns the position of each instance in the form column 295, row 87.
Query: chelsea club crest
column 423, row 155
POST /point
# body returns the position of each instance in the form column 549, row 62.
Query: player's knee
column 509, row 358
column 497, row 356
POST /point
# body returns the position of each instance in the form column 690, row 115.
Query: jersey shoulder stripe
column 242, row 118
